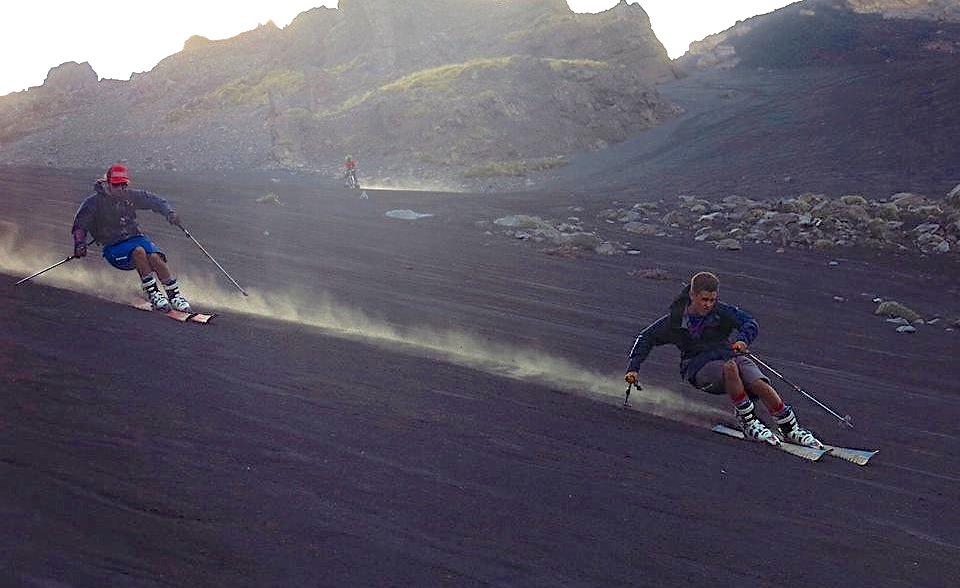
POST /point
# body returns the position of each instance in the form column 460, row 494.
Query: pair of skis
column 177, row 315
column 858, row 456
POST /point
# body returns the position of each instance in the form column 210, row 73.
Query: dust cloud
column 410, row 185
column 93, row 276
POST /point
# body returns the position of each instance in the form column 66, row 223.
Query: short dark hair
column 704, row 282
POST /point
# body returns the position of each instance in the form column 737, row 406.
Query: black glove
column 80, row 249
column 172, row 218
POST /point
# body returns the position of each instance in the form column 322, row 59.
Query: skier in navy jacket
column 712, row 337
column 110, row 215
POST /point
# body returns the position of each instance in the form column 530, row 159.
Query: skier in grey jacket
column 110, row 216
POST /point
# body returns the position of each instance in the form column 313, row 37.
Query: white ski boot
column 794, row 433
column 753, row 428
column 177, row 301
column 153, row 294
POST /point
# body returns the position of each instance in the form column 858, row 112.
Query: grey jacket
column 113, row 219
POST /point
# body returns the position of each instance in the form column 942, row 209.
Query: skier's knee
column 730, row 368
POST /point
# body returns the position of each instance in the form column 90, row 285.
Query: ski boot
column 177, row 301
column 153, row 294
column 793, row 432
column 753, row 428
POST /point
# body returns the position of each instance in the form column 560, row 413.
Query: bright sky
column 118, row 38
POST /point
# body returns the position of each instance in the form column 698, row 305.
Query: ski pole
column 626, row 400
column 843, row 419
column 72, row 257
column 220, row 267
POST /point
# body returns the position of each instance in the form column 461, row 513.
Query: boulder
column 892, row 308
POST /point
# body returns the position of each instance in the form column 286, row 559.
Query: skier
column 711, row 337
column 110, row 215
column 350, row 171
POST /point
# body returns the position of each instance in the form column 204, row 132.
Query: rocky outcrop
column 827, row 32
column 902, row 222
column 70, row 77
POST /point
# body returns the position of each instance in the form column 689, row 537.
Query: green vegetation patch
column 341, row 69
column 435, row 80
column 251, row 90
column 255, row 91
column 561, row 64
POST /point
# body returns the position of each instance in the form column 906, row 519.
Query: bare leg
column 767, row 395
column 732, row 382
column 158, row 265
column 761, row 389
column 141, row 262
column 753, row 427
column 146, row 263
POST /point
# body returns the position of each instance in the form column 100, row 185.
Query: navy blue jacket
column 113, row 219
column 722, row 326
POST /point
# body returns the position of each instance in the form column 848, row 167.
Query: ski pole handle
column 626, row 399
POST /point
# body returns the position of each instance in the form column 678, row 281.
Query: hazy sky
column 119, row 38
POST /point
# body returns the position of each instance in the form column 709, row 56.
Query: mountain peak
column 458, row 83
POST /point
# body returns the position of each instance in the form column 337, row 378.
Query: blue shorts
column 119, row 255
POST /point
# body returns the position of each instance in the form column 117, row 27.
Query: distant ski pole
column 46, row 269
column 843, row 419
column 220, row 267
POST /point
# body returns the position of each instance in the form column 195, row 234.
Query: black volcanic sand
column 873, row 130
column 255, row 451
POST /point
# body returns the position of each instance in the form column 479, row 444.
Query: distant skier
column 350, row 172
column 110, row 215
column 711, row 337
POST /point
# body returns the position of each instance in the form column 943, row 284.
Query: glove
column 79, row 243
column 739, row 346
column 172, row 218
column 631, row 378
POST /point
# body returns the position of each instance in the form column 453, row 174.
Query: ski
column 858, row 456
column 801, row 451
column 177, row 315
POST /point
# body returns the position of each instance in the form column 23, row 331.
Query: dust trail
column 323, row 312
column 411, row 185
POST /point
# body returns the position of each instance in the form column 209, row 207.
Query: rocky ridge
column 464, row 88
column 830, row 32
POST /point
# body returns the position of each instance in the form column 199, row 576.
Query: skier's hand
column 173, row 218
column 631, row 378
column 80, row 249
column 739, row 346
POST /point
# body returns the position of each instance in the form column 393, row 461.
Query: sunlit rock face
column 422, row 85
